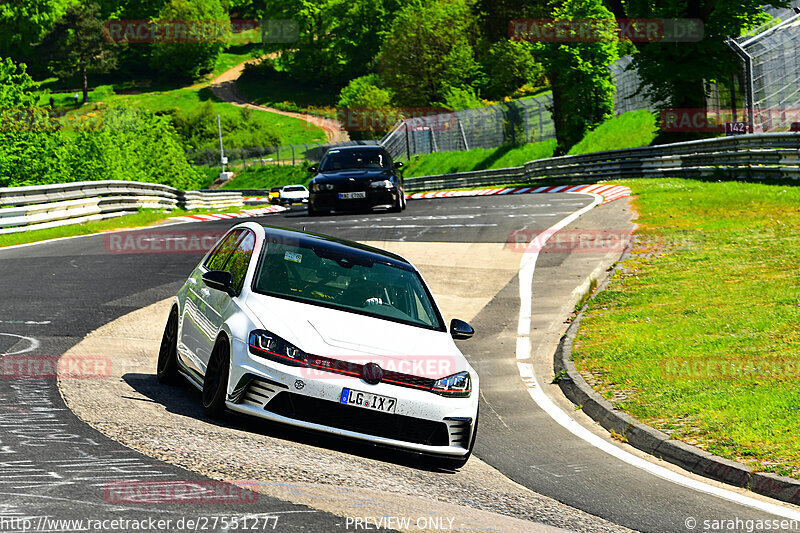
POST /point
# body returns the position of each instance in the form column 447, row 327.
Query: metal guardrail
column 47, row 206
column 767, row 156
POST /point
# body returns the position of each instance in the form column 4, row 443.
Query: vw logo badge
column 372, row 373
column 299, row 384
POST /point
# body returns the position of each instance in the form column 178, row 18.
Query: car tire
column 167, row 368
column 311, row 211
column 454, row 463
column 398, row 205
column 215, row 382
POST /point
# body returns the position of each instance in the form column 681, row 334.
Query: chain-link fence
column 516, row 122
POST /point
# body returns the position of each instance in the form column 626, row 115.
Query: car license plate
column 367, row 400
column 352, row 195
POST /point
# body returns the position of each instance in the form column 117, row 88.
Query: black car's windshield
column 347, row 159
column 341, row 278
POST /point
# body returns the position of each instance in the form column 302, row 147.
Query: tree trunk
column 85, row 87
column 558, row 117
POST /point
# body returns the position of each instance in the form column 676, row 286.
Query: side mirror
column 460, row 330
column 312, row 168
column 219, row 280
column 398, row 164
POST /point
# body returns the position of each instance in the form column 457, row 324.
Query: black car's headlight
column 382, row 184
column 270, row 346
column 316, row 187
column 456, row 386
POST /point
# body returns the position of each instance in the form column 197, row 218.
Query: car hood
column 358, row 338
column 358, row 174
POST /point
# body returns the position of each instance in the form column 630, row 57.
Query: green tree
column 24, row 22
column 16, row 86
column 337, row 40
column 76, row 44
column 509, row 65
column 208, row 32
column 583, row 91
column 675, row 74
column 429, row 49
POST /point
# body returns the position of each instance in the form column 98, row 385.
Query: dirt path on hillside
column 224, row 88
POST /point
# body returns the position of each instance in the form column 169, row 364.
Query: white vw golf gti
column 324, row 334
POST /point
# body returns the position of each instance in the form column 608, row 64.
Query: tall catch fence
column 775, row 75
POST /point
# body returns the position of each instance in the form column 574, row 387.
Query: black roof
column 316, row 240
column 375, row 147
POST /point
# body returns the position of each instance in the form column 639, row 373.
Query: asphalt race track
column 55, row 467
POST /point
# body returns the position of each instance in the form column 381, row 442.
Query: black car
column 356, row 178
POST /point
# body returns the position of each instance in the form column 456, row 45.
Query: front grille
column 338, row 366
column 336, row 415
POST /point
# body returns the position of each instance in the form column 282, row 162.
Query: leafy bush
column 121, row 144
column 366, row 103
column 198, row 128
column 458, row 99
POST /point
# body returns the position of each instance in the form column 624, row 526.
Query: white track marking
column 526, row 270
column 32, row 344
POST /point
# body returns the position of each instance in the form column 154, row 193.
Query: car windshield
column 347, row 159
column 335, row 276
column 297, row 188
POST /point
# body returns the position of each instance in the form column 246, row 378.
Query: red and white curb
column 608, row 192
column 221, row 216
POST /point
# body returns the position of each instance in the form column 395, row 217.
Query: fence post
column 293, row 163
column 408, row 146
column 463, row 135
column 277, row 155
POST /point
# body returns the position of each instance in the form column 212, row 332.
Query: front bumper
column 423, row 421
column 330, row 201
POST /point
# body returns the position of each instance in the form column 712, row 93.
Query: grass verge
column 698, row 334
column 477, row 159
column 145, row 217
column 629, row 130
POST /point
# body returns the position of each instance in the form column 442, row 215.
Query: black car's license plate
column 367, row 400
column 352, row 195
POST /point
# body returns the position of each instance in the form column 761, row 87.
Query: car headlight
column 322, row 187
column 456, row 386
column 382, row 184
column 270, row 346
